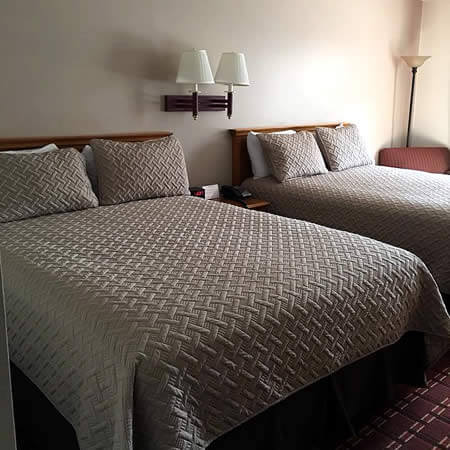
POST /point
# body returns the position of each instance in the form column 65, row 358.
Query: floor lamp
column 414, row 62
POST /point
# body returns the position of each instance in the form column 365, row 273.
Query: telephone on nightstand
column 235, row 193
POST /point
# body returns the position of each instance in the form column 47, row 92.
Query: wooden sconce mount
column 196, row 103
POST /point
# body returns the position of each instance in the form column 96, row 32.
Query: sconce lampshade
column 415, row 61
column 194, row 68
column 232, row 70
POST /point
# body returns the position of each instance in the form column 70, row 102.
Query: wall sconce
column 194, row 69
column 232, row 71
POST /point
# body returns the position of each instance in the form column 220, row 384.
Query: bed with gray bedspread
column 405, row 208
column 165, row 323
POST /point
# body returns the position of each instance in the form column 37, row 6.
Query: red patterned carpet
column 419, row 420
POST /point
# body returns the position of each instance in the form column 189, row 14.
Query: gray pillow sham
column 343, row 147
column 37, row 184
column 292, row 155
column 130, row 171
column 91, row 168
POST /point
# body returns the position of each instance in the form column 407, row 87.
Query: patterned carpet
column 419, row 420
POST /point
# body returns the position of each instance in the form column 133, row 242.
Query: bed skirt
column 316, row 417
column 446, row 298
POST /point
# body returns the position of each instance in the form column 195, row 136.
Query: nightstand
column 252, row 203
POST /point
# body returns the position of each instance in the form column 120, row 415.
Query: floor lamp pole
column 411, row 102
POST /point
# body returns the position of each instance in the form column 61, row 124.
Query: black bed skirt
column 316, row 417
column 446, row 298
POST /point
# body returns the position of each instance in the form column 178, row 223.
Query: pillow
column 343, row 147
column 259, row 165
column 44, row 149
column 292, row 155
column 37, row 184
column 130, row 171
column 91, row 168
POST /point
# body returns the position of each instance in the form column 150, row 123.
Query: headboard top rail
column 245, row 131
column 241, row 166
column 78, row 142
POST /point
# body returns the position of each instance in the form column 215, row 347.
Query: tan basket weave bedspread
column 163, row 324
column 405, row 208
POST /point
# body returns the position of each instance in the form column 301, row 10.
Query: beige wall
column 432, row 117
column 92, row 66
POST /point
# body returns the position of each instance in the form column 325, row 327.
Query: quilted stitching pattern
column 203, row 313
column 428, row 159
column 140, row 170
column 343, row 147
column 292, row 155
column 35, row 184
column 404, row 208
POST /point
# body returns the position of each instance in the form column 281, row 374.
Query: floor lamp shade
column 415, row 61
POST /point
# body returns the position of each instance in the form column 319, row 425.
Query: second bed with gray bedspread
column 405, row 208
column 165, row 323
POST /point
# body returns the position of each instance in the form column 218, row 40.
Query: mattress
column 166, row 323
column 405, row 208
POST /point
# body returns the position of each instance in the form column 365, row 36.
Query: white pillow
column 45, row 148
column 91, row 167
column 255, row 151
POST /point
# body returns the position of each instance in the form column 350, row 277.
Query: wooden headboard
column 77, row 142
column 241, row 167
